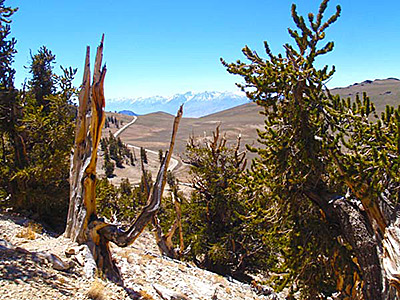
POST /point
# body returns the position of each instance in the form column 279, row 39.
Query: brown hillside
column 381, row 91
column 153, row 131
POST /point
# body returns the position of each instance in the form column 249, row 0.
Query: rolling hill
column 153, row 130
column 381, row 91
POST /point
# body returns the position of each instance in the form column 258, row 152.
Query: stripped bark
column 164, row 241
column 83, row 166
column 383, row 219
column 354, row 226
column 178, row 211
column 83, row 225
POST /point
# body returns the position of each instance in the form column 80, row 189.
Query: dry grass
column 125, row 253
column 96, row 291
column 218, row 279
column 30, row 232
column 145, row 258
column 145, row 296
column 61, row 280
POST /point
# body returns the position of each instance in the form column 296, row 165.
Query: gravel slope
column 24, row 276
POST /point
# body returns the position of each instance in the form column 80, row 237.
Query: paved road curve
column 173, row 163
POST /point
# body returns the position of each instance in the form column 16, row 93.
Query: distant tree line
column 116, row 153
column 112, row 120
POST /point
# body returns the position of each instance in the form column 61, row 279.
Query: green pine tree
column 143, row 155
column 293, row 177
column 215, row 218
column 42, row 83
column 12, row 146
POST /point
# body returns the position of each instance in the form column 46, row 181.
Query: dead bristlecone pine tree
column 83, row 224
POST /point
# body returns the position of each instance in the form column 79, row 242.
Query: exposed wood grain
column 83, row 225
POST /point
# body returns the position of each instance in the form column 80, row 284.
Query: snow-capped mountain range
column 195, row 104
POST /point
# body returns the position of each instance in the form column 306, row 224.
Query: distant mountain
column 196, row 104
column 127, row 112
column 245, row 119
column 381, row 92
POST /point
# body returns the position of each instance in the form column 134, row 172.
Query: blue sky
column 167, row 47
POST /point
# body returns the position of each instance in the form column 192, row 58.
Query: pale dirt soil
column 23, row 277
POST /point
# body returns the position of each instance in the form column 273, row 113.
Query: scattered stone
column 6, row 246
column 71, row 251
column 79, row 259
column 141, row 267
column 58, row 264
column 168, row 294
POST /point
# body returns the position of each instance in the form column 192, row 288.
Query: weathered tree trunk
column 83, row 225
column 391, row 255
column 354, row 227
column 377, row 256
column 383, row 220
column 164, row 241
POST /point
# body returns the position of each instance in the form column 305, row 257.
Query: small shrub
column 145, row 296
column 96, row 291
column 30, row 232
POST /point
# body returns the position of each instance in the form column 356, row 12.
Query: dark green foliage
column 108, row 165
column 146, row 182
column 7, row 48
column 42, row 83
column 12, row 155
column 143, row 155
column 114, row 149
column 106, row 199
column 172, row 181
column 125, row 187
column 215, row 222
column 48, row 133
column 160, row 155
column 119, row 203
column 369, row 161
column 131, row 158
column 167, row 214
column 294, row 160
column 37, row 131
column 112, row 120
column 109, row 168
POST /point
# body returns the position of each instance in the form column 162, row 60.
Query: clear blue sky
column 167, row 47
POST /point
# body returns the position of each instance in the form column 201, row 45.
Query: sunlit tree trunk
column 83, row 224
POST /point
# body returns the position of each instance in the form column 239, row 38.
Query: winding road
column 173, row 162
column 125, row 126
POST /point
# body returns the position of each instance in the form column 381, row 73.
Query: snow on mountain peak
column 195, row 104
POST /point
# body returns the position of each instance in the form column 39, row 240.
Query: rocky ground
column 35, row 264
